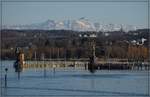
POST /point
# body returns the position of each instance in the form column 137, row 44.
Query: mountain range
column 82, row 24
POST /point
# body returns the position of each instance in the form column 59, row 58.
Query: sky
column 132, row 13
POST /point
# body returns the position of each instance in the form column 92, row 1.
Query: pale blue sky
column 134, row 13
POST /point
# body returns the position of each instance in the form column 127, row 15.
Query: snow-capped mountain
column 81, row 24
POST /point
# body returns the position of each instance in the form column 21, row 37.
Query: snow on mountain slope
column 81, row 24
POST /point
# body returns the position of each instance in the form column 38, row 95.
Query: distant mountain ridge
column 81, row 24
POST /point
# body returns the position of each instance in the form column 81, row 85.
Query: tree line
column 69, row 44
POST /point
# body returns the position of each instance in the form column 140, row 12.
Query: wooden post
column 54, row 66
column 21, row 63
column 43, row 58
column 6, row 77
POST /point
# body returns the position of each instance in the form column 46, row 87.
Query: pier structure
column 83, row 64
column 90, row 64
column 56, row 64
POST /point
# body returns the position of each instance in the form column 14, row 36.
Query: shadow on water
column 81, row 90
column 84, row 76
column 97, row 75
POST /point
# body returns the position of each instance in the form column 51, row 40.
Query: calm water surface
column 74, row 83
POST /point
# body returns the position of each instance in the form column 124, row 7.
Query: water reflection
column 98, row 92
column 4, row 91
column 92, row 84
column 75, row 82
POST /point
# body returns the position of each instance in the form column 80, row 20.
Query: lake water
column 74, row 82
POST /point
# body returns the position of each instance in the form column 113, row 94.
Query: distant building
column 106, row 34
column 88, row 35
column 143, row 40
column 85, row 35
column 92, row 35
column 133, row 42
column 139, row 41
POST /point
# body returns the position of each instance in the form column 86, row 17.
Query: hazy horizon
column 130, row 13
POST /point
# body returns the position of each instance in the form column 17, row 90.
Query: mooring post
column 6, row 77
column 18, row 75
column 20, row 63
column 54, row 70
column 43, row 59
column 44, row 70
column 85, row 66
column 54, row 66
